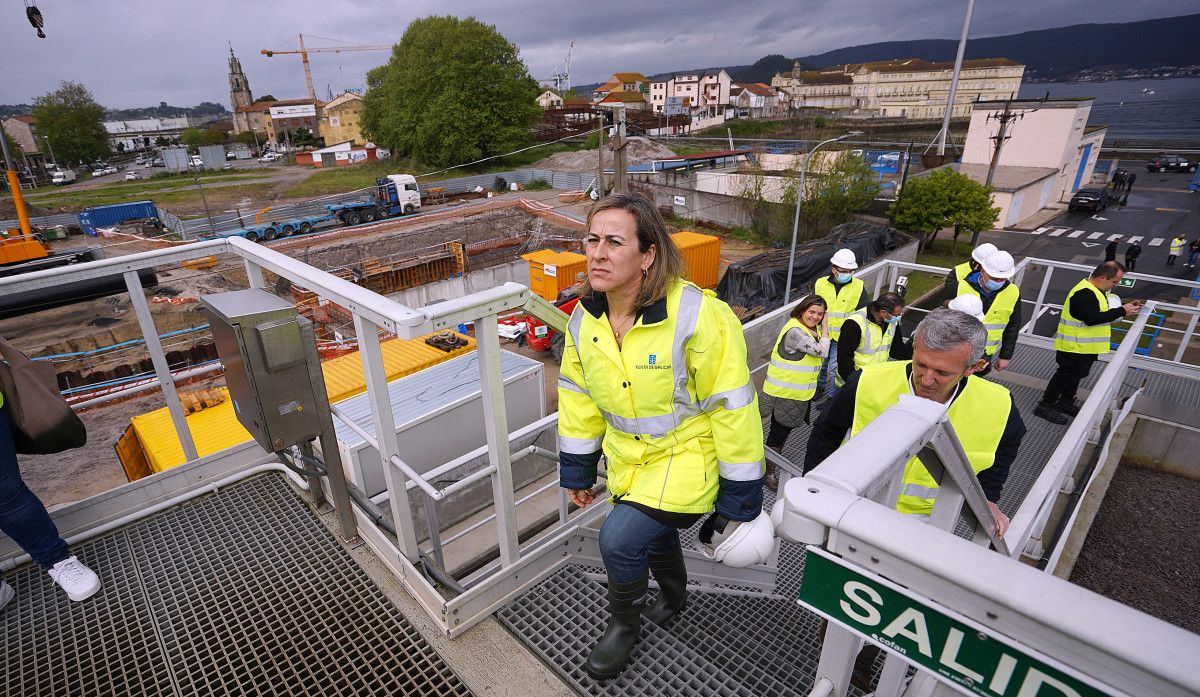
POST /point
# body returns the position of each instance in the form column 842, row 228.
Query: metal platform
column 239, row 592
column 733, row 644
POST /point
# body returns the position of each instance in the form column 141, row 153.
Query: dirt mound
column 639, row 151
column 8, row 209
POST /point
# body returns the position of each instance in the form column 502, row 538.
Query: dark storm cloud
column 139, row 52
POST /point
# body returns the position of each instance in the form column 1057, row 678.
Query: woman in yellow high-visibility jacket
column 654, row 377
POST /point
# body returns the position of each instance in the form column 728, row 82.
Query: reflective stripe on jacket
column 1074, row 336
column 997, row 316
column 979, row 414
column 875, row 346
column 792, row 379
column 673, row 408
column 1177, row 245
column 840, row 304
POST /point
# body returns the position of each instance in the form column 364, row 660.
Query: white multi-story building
column 906, row 87
column 705, row 94
column 753, row 100
column 140, row 133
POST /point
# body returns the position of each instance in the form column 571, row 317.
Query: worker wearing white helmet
column 1001, row 302
column 844, row 295
column 960, row 272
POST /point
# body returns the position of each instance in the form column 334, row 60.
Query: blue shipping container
column 107, row 216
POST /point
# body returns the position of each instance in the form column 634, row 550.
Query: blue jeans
column 627, row 537
column 22, row 516
column 827, row 380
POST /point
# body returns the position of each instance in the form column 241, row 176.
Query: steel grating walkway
column 240, row 592
column 746, row 644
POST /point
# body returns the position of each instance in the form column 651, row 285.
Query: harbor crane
column 303, row 53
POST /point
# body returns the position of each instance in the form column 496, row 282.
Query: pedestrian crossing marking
column 1077, row 233
column 1134, row 239
column 1058, row 232
column 1039, row 231
column 1095, row 235
column 1155, row 242
column 1115, row 237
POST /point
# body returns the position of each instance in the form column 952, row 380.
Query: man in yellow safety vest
column 1001, row 301
column 1083, row 336
column 843, row 295
column 872, row 335
column 957, row 275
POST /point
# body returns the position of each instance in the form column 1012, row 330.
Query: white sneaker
column 6, row 594
column 75, row 578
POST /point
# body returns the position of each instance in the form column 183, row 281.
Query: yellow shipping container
column 217, row 428
column 551, row 272
column 703, row 256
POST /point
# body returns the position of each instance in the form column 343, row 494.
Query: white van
column 62, row 176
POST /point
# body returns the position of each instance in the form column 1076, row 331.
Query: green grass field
column 159, row 190
column 937, row 254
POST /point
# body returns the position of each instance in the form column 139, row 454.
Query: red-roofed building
column 634, row 101
column 753, row 100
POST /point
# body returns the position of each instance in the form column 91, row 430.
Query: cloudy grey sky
column 140, row 52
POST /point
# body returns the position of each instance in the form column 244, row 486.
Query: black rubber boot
column 771, row 479
column 1070, row 408
column 611, row 653
column 671, row 574
column 1049, row 413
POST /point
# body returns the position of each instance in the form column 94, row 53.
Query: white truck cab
column 408, row 194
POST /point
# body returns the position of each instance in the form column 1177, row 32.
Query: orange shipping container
column 702, row 253
column 550, row 271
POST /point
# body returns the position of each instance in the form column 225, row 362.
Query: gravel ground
column 1143, row 547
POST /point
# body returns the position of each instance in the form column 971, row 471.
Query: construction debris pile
column 639, row 150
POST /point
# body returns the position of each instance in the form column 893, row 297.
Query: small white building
column 140, row 133
column 753, row 100
column 1050, row 153
column 550, row 99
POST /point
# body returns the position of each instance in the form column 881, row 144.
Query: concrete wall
column 1165, row 446
column 460, row 286
column 1042, row 138
column 729, row 211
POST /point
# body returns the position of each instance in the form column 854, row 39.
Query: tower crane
column 561, row 75
column 303, row 53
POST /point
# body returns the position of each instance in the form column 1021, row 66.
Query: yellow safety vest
column 979, row 415
column 1177, row 245
column 1074, row 336
column 997, row 316
column 875, row 346
column 962, row 271
column 792, row 379
column 674, row 407
column 840, row 304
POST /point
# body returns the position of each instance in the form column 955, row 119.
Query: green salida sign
column 952, row 647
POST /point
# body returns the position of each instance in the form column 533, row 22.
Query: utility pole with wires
column 621, row 185
column 1004, row 118
column 600, row 160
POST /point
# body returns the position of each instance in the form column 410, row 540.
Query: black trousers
column 1072, row 369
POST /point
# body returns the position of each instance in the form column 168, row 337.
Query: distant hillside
column 1060, row 53
column 1053, row 53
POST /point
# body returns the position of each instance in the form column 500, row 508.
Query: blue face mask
column 842, row 277
column 893, row 319
column 993, row 284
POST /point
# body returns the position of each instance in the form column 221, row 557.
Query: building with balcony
column 23, row 129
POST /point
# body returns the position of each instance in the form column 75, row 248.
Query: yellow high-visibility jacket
column 792, row 379
column 673, row 410
column 995, row 320
column 1073, row 336
column 840, row 304
column 979, row 415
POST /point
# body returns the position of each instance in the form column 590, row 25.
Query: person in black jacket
column 885, row 309
column 1110, row 251
column 1132, row 252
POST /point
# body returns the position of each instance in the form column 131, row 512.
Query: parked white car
column 130, row 175
column 270, row 157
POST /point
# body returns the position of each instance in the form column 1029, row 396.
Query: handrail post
column 1041, row 298
column 495, row 424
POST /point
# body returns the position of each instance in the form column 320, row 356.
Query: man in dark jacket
column 1132, row 252
column 1129, row 181
column 1110, row 251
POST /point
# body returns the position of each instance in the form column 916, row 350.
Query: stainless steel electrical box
column 269, row 353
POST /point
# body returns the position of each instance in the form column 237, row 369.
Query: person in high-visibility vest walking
column 872, row 335
column 1176, row 249
column 792, row 374
column 843, row 294
column 1001, row 301
column 1083, row 336
column 957, row 275
column 654, row 378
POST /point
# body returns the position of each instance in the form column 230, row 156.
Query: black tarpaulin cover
column 760, row 280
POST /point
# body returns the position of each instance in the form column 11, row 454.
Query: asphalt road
column 1160, row 206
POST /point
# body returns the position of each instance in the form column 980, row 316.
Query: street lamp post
column 787, row 290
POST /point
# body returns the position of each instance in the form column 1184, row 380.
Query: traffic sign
column 955, row 649
column 1126, row 282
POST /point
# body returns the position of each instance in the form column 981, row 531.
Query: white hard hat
column 742, row 544
column 844, row 259
column 983, row 251
column 968, row 303
column 1114, row 301
column 999, row 264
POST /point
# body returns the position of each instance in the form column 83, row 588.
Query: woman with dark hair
column 654, row 377
column 792, row 374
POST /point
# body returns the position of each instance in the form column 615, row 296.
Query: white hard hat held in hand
column 983, row 251
column 1114, row 301
column 844, row 259
column 738, row 544
column 969, row 304
column 999, row 264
